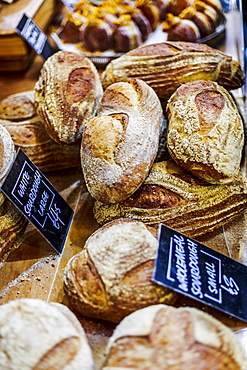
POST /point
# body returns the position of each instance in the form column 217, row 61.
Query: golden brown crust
column 67, row 94
column 98, row 287
column 30, row 135
column 12, row 225
column 167, row 65
column 119, row 145
column 7, row 152
column 180, row 201
column 205, row 131
column 17, row 107
column 162, row 337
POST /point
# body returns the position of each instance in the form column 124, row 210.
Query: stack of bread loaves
column 18, row 115
column 198, row 189
column 120, row 130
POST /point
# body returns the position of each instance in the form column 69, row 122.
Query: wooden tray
column 15, row 53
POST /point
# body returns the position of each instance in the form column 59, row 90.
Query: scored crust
column 67, row 94
column 112, row 276
column 119, row 146
column 167, row 65
column 50, row 334
column 164, row 337
column 205, row 131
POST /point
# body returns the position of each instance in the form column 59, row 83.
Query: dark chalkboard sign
column 37, row 199
column 202, row 273
column 29, row 30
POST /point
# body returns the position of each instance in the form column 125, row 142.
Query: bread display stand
column 35, row 270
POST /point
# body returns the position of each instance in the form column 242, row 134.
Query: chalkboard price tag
column 29, row 30
column 201, row 273
column 36, row 198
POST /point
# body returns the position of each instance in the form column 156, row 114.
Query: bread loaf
column 20, row 118
column 7, row 152
column 67, row 94
column 35, row 335
column 160, row 337
column 176, row 198
column 12, row 226
column 167, row 65
column 12, row 222
column 112, row 275
column 119, row 145
column 205, row 131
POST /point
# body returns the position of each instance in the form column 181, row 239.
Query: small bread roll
column 112, row 276
column 166, row 338
column 67, row 94
column 205, row 131
column 35, row 335
column 119, row 146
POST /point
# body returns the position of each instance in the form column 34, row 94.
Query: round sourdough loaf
column 112, row 276
column 160, row 337
column 35, row 335
column 205, row 131
column 119, row 146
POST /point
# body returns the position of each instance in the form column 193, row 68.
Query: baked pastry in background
column 174, row 197
column 167, row 65
column 205, row 131
column 120, row 144
column 112, row 276
column 191, row 22
column 38, row 335
column 67, row 94
column 161, row 337
column 116, row 26
column 18, row 115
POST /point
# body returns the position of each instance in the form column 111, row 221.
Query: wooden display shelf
column 15, row 53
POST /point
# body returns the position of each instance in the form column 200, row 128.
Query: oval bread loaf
column 119, row 146
column 162, row 337
column 167, row 65
column 205, row 131
column 112, row 275
column 176, row 198
column 36, row 335
column 67, row 94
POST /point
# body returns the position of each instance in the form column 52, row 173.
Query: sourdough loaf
column 173, row 196
column 112, row 276
column 36, row 335
column 162, row 337
column 12, row 222
column 7, row 152
column 18, row 115
column 167, row 65
column 119, row 146
column 67, row 94
column 205, row 131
